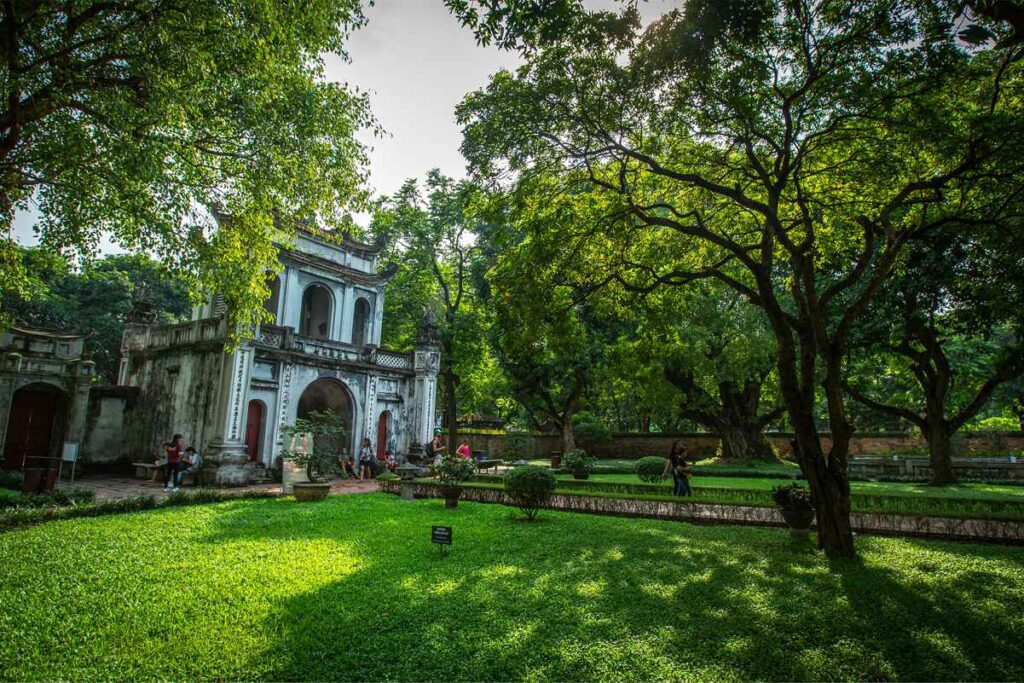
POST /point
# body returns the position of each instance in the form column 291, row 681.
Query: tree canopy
column 138, row 119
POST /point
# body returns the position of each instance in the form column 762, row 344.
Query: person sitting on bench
column 192, row 463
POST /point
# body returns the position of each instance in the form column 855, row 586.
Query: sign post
column 442, row 536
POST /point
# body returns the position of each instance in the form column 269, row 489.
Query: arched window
column 275, row 294
column 316, row 312
column 360, row 322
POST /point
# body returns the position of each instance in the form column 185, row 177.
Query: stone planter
column 451, row 495
column 556, row 460
column 581, row 474
column 308, row 491
column 799, row 522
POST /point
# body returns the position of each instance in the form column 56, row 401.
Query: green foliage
column 590, row 428
column 650, row 469
column 387, row 476
column 996, row 424
column 137, row 120
column 454, row 470
column 715, row 145
column 309, row 448
column 432, row 232
column 96, row 299
column 11, row 480
column 529, row 487
column 579, row 461
column 58, row 498
column 793, row 497
column 324, row 569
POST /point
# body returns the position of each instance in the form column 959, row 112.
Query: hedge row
column 27, row 516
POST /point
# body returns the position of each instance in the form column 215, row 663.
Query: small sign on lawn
column 442, row 536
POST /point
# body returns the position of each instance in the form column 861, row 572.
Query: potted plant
column 579, row 463
column 311, row 449
column 452, row 471
column 797, row 508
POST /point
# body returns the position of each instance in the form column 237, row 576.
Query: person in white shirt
column 191, row 462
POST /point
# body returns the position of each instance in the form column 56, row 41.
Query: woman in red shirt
column 173, row 466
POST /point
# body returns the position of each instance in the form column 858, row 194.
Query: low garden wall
column 948, row 528
column 631, row 446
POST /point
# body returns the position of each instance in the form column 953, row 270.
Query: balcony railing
column 275, row 337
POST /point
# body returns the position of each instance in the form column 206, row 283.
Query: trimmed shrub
column 11, row 480
column 579, row 461
column 650, row 469
column 387, row 475
column 529, row 488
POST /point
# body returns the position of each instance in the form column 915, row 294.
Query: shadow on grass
column 580, row 597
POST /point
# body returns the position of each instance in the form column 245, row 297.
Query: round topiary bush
column 529, row 487
column 387, row 475
column 649, row 469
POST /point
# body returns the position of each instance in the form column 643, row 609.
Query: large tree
column 717, row 351
column 434, row 235
column 801, row 145
column 948, row 329
column 133, row 119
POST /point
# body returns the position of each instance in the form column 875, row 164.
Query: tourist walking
column 437, row 447
column 681, row 470
column 366, row 460
column 174, row 452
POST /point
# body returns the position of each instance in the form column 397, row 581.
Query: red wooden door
column 382, row 434
column 30, row 428
column 253, row 427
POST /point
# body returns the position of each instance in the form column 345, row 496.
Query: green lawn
column 350, row 588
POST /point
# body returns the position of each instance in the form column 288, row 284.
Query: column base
column 232, row 460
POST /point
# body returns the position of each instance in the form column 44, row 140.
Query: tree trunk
column 826, row 474
column 744, row 441
column 451, row 410
column 568, row 437
column 940, row 453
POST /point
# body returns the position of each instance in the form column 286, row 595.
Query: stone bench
column 147, row 470
column 486, row 464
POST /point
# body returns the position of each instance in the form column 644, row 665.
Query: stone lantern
column 408, row 473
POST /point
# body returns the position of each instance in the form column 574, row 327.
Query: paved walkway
column 113, row 487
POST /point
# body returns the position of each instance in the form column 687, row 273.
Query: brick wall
column 639, row 445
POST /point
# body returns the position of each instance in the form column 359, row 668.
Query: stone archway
column 330, row 394
column 316, row 312
column 361, row 322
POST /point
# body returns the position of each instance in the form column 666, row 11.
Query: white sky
column 417, row 63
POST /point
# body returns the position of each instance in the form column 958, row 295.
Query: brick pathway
column 112, row 487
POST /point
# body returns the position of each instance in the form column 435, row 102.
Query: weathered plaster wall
column 179, row 395
column 110, row 409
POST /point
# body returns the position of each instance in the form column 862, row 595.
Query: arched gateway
column 329, row 394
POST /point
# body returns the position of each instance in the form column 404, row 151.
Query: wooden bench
column 485, row 464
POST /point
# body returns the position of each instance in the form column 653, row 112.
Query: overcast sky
column 417, row 63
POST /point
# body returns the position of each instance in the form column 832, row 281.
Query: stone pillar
column 81, row 372
column 228, row 447
column 377, row 317
column 426, row 363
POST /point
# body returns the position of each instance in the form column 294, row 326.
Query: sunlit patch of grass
column 351, row 588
